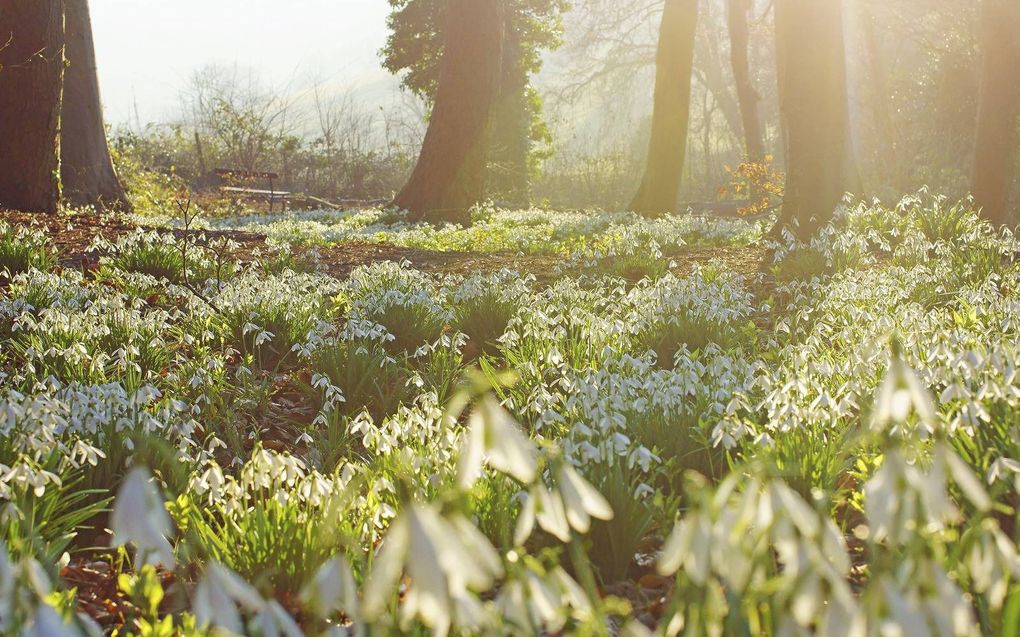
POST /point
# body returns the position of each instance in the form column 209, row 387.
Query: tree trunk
column 31, row 74
column 86, row 169
column 670, row 118
column 995, row 151
column 813, row 108
column 885, row 167
column 510, row 129
column 747, row 96
column 449, row 177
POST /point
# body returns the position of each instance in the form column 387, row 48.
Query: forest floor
column 73, row 238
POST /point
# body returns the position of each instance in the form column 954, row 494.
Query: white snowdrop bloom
column 494, row 437
column 550, row 512
column 274, row 621
column 217, row 596
column 581, row 500
column 445, row 559
column 140, row 518
column 1002, row 468
column 332, row 589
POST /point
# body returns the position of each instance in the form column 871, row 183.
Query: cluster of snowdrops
column 832, row 448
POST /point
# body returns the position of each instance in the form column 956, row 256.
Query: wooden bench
column 238, row 182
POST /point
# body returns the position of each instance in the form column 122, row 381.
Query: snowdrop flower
column 494, row 437
column 547, row 508
column 582, row 501
column 140, row 518
column 332, row 589
column 901, row 393
column 218, row 595
column 446, row 559
column 1002, row 468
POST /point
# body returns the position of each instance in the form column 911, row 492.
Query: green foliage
column 367, row 377
column 22, row 249
column 670, row 336
column 151, row 182
column 412, row 325
column 164, row 257
column 681, row 439
column 145, row 590
column 813, row 475
column 414, row 50
column 941, row 223
column 266, row 318
column 484, row 319
column 415, row 44
column 275, row 541
column 45, row 523
column 801, row 265
column 615, row 543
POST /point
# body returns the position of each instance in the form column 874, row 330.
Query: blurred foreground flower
column 221, row 597
column 494, row 437
column 446, row 559
column 140, row 518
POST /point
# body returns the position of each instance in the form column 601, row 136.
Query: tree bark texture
column 31, row 77
column 814, row 112
column 510, row 129
column 670, row 118
column 747, row 97
column 87, row 171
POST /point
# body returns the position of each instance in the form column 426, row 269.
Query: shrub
column 43, row 520
column 672, row 314
column 163, row 256
column 106, row 341
column 680, row 438
column 615, row 543
column 941, row 223
column 484, row 306
column 412, row 322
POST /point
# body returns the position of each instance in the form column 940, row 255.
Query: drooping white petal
column 525, row 521
column 140, row 518
column 506, row 446
column 550, row 512
column 332, row 589
column 386, row 569
column 213, row 606
column 472, row 455
column 581, row 491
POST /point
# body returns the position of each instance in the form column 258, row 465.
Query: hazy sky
column 147, row 49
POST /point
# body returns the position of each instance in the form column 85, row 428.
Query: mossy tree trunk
column 667, row 148
column 31, row 78
column 996, row 144
column 449, row 177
